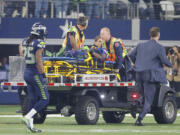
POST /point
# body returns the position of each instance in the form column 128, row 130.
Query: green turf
column 9, row 109
column 68, row 126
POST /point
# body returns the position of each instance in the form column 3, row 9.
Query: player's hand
column 45, row 81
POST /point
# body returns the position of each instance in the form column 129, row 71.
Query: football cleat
column 29, row 125
column 34, row 130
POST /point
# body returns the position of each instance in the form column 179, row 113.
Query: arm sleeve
column 163, row 58
column 118, row 51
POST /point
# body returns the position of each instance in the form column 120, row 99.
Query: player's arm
column 21, row 50
column 118, row 51
column 133, row 53
column 39, row 61
column 73, row 41
column 98, row 56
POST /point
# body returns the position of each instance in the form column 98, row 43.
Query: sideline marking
column 101, row 131
column 111, row 131
column 59, row 115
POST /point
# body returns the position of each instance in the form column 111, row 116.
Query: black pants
column 148, row 88
column 176, row 87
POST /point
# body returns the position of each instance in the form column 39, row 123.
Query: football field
column 10, row 124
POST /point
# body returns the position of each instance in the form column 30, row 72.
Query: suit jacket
column 150, row 56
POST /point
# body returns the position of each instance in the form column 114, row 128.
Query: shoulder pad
column 40, row 44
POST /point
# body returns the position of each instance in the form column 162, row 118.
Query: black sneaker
column 138, row 123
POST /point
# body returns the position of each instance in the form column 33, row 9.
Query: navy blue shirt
column 149, row 55
column 98, row 50
column 29, row 51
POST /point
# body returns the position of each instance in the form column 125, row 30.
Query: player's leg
column 42, row 93
column 28, row 118
column 32, row 99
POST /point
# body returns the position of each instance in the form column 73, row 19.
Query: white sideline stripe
column 110, row 131
column 10, row 116
column 98, row 131
column 10, row 134
column 59, row 115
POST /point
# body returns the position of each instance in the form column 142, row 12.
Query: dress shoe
column 138, row 123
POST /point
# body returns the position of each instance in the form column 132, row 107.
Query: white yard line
column 59, row 115
column 10, row 116
column 110, row 131
column 100, row 131
column 11, row 134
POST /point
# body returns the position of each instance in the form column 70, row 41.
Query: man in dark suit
column 149, row 59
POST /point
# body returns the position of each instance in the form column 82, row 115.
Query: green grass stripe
column 40, row 86
column 68, row 126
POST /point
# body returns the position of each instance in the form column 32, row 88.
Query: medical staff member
column 115, row 48
column 74, row 40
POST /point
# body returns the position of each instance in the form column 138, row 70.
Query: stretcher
column 68, row 67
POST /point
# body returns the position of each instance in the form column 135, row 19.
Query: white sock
column 31, row 113
column 31, row 123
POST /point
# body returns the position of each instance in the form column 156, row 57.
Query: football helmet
column 39, row 30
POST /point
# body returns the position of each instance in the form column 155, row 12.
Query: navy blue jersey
column 98, row 50
column 29, row 50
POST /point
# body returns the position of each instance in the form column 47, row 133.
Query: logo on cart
column 95, row 78
column 106, row 78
